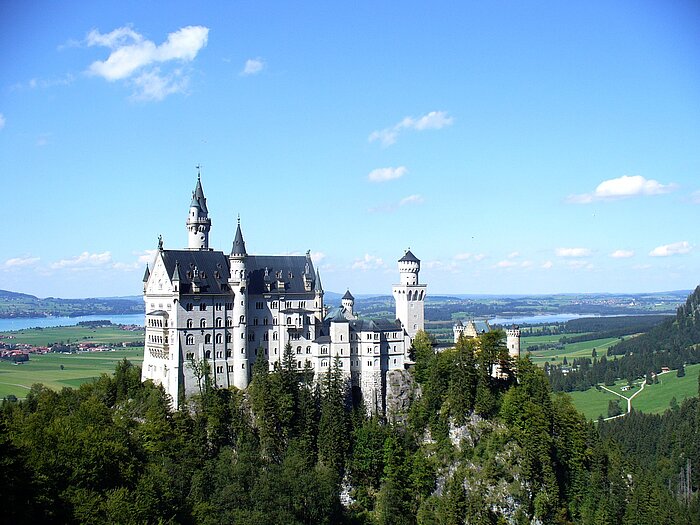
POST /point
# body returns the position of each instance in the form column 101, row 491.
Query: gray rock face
column 401, row 390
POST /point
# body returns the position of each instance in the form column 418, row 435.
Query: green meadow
column 77, row 369
column 569, row 350
column 654, row 399
column 72, row 334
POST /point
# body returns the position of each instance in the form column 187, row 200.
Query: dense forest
column 472, row 447
column 674, row 343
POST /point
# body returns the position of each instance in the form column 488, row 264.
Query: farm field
column 77, row 369
column 569, row 350
column 74, row 334
column 654, row 399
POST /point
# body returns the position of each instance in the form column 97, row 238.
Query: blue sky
column 515, row 147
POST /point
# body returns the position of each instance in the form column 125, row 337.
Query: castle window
column 229, row 306
column 219, row 323
column 394, row 360
column 341, row 337
column 218, row 305
column 289, row 304
column 203, row 323
column 324, row 349
column 228, row 338
column 189, row 356
column 207, row 339
column 274, row 336
column 369, row 337
column 298, row 364
column 242, row 319
column 207, row 354
column 302, row 304
column 289, row 320
column 202, row 307
column 189, row 340
column 189, row 323
column 188, row 307
column 298, row 350
column 243, row 366
column 242, row 335
column 274, row 305
column 228, row 353
column 266, row 336
column 258, row 305
column 308, row 349
column 265, row 321
column 255, row 321
column 229, row 321
column 219, row 338
column 251, row 337
column 376, row 336
column 219, row 355
column 230, row 368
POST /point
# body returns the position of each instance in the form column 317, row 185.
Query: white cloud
column 480, row 257
column 513, row 255
column 20, row 262
column 385, row 174
column 432, row 120
column 411, row 199
column 317, row 257
column 368, row 262
column 676, row 248
column 572, row 252
column 253, row 66
column 84, row 261
column 547, row 265
column 132, row 54
column 622, row 187
column 506, row 264
column 2, row 121
column 462, row 257
column 622, row 254
column 145, row 257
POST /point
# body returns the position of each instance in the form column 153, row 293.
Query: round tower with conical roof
column 409, row 295
column 348, row 302
column 238, row 283
column 198, row 222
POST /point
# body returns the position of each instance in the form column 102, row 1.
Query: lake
column 538, row 319
column 7, row 325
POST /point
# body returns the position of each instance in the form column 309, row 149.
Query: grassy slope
column 571, row 350
column 654, row 399
column 46, row 369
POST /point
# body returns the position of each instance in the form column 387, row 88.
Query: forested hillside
column 471, row 449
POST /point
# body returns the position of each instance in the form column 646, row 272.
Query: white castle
column 223, row 311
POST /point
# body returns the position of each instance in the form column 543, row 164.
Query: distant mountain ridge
column 17, row 304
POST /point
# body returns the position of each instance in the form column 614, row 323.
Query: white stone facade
column 205, row 308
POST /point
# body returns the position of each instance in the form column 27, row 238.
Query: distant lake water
column 7, row 325
column 539, row 319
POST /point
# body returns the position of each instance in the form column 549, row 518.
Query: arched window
column 189, row 323
column 229, row 321
column 228, row 338
column 203, row 323
column 218, row 322
column 274, row 336
column 188, row 307
column 242, row 319
column 308, row 349
column 266, row 336
column 207, row 339
column 189, row 340
column 202, row 306
column 219, row 338
column 207, row 354
column 298, row 349
column 289, row 320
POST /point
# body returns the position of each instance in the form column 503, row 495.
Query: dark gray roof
column 348, row 295
column 159, row 313
column 375, row 325
column 336, row 315
column 198, row 200
column 208, row 269
column 146, row 274
column 238, row 247
column 408, row 256
column 290, row 269
column 317, row 283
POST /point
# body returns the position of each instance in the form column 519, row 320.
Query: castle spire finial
column 160, row 243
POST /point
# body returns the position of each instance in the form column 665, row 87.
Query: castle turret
column 409, row 295
column 238, row 284
column 513, row 341
column 198, row 221
column 348, row 302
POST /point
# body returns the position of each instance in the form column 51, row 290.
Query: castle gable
column 159, row 281
column 279, row 273
column 199, row 271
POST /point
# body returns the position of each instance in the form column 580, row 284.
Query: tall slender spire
column 238, row 247
column 198, row 221
column 318, row 288
column 146, row 274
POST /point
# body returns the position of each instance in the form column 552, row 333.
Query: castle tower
column 198, row 221
column 513, row 341
column 348, row 302
column 409, row 295
column 238, row 283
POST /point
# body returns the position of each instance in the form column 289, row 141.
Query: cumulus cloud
column 2, row 121
column 506, row 264
column 622, row 254
column 20, row 262
column 368, row 262
column 139, row 61
column 411, row 199
column 253, row 66
column 433, row 120
column 385, row 174
column 676, row 248
column 317, row 257
column 145, row 257
column 547, row 265
column 462, row 256
column 622, row 187
column 572, row 252
column 85, row 260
